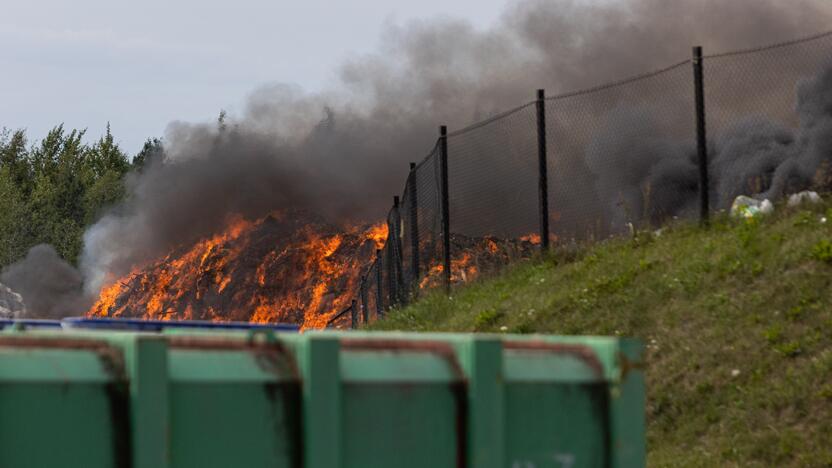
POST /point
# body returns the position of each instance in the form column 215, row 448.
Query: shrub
column 822, row 251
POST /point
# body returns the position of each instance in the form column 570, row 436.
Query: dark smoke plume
column 344, row 152
column 51, row 287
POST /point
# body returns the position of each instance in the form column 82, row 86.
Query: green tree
column 150, row 152
column 14, row 157
column 105, row 192
column 13, row 219
column 50, row 192
column 105, row 155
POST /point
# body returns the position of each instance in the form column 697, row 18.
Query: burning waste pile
column 286, row 267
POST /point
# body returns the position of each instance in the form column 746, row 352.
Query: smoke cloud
column 343, row 152
column 51, row 287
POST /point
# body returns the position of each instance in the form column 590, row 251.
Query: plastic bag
column 800, row 198
column 747, row 207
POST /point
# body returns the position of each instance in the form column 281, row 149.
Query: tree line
column 51, row 190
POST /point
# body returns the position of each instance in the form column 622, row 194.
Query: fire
column 463, row 270
column 285, row 267
column 170, row 283
column 276, row 269
column 480, row 254
column 533, row 238
column 378, row 234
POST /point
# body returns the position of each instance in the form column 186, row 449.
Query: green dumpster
column 262, row 399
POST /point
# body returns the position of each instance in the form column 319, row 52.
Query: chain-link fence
column 679, row 142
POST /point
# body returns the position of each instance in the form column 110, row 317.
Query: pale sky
column 142, row 64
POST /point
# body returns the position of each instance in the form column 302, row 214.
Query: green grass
column 737, row 320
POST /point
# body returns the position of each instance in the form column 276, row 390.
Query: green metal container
column 324, row 400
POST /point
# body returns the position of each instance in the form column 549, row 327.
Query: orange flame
column 278, row 269
column 533, row 238
column 237, row 275
column 463, row 270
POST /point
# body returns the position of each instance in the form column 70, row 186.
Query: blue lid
column 159, row 325
column 30, row 323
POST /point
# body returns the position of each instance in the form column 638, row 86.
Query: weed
column 825, row 392
column 486, row 319
column 795, row 313
column 790, row 349
column 822, row 251
column 774, row 334
column 524, row 328
column 747, row 232
column 804, row 218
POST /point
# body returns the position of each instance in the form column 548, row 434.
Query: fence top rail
column 487, row 121
column 626, row 81
column 777, row 45
column 615, row 84
column 430, row 154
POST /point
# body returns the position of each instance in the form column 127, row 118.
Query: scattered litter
column 11, row 303
column 747, row 207
column 735, row 373
column 504, row 328
column 807, row 196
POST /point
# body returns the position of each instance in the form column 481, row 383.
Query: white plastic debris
column 766, row 207
column 807, row 196
column 747, row 207
column 11, row 303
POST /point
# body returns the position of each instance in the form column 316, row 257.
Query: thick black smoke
column 51, row 287
column 344, row 152
column 753, row 156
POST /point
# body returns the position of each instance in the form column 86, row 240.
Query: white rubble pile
column 806, row 196
column 11, row 303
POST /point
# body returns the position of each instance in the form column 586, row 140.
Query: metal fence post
column 413, row 216
column 353, row 315
column 543, row 175
column 701, row 137
column 446, row 223
column 397, row 252
column 379, row 285
column 362, row 292
column 388, row 262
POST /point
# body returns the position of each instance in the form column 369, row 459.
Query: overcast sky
column 142, row 64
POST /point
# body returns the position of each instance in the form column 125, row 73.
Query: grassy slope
column 753, row 298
